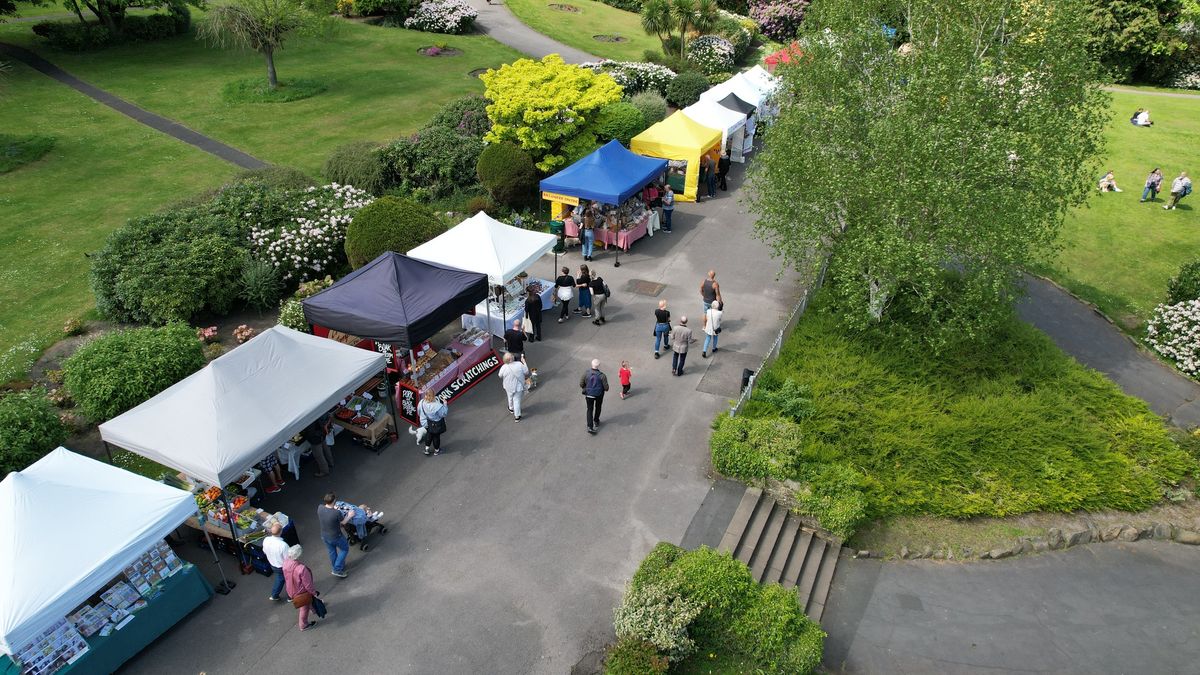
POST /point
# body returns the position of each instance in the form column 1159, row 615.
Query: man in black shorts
column 514, row 341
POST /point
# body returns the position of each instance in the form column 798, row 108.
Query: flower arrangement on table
column 442, row 16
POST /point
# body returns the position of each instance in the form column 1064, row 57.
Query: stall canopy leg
column 108, row 451
column 237, row 545
column 226, row 585
column 387, row 391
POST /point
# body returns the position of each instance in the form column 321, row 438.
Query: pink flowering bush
column 778, row 19
column 309, row 243
column 442, row 16
column 1174, row 332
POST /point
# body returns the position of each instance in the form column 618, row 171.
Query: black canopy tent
column 736, row 104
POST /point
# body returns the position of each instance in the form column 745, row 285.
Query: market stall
column 86, row 599
column 681, row 141
column 394, row 304
column 504, row 253
column 731, row 123
column 748, row 112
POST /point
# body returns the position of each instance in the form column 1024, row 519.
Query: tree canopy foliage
column 930, row 172
column 260, row 25
column 1134, row 39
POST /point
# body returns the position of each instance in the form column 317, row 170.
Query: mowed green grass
column 379, row 87
column 576, row 29
column 103, row 169
column 1119, row 253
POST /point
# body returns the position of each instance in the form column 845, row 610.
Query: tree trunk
column 74, row 7
column 272, row 80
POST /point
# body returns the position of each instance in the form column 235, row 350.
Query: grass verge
column 576, row 29
column 256, row 90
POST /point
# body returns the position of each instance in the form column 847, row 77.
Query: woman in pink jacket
column 298, row 578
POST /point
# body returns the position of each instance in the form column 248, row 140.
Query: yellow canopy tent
column 678, row 138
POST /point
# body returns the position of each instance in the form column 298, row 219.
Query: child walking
column 625, row 375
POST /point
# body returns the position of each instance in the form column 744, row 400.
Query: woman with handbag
column 564, row 290
column 432, row 413
column 298, row 578
column 712, row 327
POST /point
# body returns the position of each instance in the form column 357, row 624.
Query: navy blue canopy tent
column 397, row 300
column 609, row 175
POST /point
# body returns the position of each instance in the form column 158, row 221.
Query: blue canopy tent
column 609, row 175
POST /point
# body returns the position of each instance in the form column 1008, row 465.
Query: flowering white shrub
column 1174, row 332
column 712, row 53
column 658, row 616
column 442, row 16
column 634, row 76
column 310, row 242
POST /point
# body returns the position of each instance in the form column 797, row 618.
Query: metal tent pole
column 226, row 585
column 237, row 545
column 108, row 451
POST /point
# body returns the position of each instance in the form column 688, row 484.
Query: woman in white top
column 432, row 414
column 712, row 327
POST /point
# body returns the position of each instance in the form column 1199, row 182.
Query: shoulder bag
column 302, row 600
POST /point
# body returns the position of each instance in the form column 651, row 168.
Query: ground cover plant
column 871, row 430
column 29, row 428
column 1117, row 252
column 17, row 151
column 576, row 29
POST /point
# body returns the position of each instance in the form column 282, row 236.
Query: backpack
column 594, row 385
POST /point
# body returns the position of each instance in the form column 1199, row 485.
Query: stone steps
column 779, row 549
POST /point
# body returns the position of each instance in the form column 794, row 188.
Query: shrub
column 834, row 496
column 260, row 283
column 435, row 159
column 389, row 224
column 711, row 54
column 74, row 327
column 311, row 288
column 634, row 657
column 244, row 333
column 721, row 584
column 120, row 370
column 655, row 614
column 308, row 242
column 482, row 203
column 654, row 566
column 733, row 6
column 652, row 106
column 442, row 16
column 359, row 164
column 291, row 314
column 29, row 428
column 686, row 88
column 276, row 177
column 1174, row 332
column 634, row 76
column 621, row 121
column 72, row 36
column 731, row 27
column 778, row 19
column 627, row 5
column 148, row 28
column 466, row 116
column 775, row 631
column 718, row 78
column 791, row 399
column 751, row 448
column 669, row 60
column 380, row 7
column 16, row 151
column 1185, row 285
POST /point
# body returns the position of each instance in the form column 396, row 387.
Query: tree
column 931, row 174
column 261, row 25
column 693, row 15
column 1134, row 38
column 656, row 20
column 547, row 107
column 111, row 13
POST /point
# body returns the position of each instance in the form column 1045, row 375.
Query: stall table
column 621, row 238
column 476, row 362
column 373, row 433
column 487, row 316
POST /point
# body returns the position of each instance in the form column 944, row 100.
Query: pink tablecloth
column 622, row 238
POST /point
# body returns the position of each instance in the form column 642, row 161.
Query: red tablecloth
column 622, row 238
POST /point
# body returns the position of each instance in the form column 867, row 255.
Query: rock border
column 1055, row 540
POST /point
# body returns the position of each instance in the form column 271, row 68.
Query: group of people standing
column 592, row 292
column 714, row 171
column 1180, row 187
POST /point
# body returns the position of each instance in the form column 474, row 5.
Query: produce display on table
column 360, row 411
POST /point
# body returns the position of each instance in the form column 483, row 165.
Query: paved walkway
column 502, row 26
column 1105, row 608
column 1083, row 333
column 1143, row 92
column 157, row 122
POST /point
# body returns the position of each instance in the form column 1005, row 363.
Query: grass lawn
column 576, row 29
column 1012, row 428
column 379, row 87
column 103, row 169
column 1119, row 253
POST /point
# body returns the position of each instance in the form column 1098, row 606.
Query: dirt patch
column 478, row 72
column 562, row 7
column 433, row 51
column 610, row 38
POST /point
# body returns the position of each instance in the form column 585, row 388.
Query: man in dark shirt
column 331, row 533
column 514, row 340
column 565, row 281
column 599, row 299
column 723, row 170
column 662, row 326
column 533, row 310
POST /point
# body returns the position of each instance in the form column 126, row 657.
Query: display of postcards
column 121, row 595
column 137, row 605
column 90, row 619
column 106, row 630
column 118, row 615
column 173, row 562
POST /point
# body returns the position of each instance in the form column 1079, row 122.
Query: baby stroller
column 364, row 522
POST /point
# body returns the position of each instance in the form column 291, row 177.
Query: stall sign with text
column 409, row 398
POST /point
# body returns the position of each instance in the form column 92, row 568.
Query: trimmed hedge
column 120, row 370
column 359, row 164
column 74, row 36
column 621, row 121
column 435, row 160
column 652, row 106
column 29, row 428
column 389, row 224
column 466, row 116
column 686, row 88
column 507, row 173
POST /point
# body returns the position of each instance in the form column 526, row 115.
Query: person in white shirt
column 712, row 327
column 513, row 377
column 276, row 550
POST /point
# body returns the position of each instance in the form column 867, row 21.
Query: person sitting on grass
column 1141, row 118
column 1109, row 183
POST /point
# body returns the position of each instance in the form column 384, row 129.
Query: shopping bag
column 318, row 606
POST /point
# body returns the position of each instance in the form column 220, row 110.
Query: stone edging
column 1055, row 540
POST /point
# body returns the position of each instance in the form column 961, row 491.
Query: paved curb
column 157, row 122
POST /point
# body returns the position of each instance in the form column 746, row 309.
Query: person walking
column 680, row 337
column 625, row 375
column 593, row 383
column 514, row 340
column 712, row 328
column 317, row 434
column 533, row 312
column 332, row 519
column 1153, row 185
column 599, row 299
column 662, row 326
column 432, row 414
column 1180, row 188
column 275, row 548
column 583, row 282
column 710, row 175
column 587, row 233
column 668, row 207
column 514, row 377
column 702, row 178
column 300, row 588
column 710, row 290
column 723, row 169
column 564, row 291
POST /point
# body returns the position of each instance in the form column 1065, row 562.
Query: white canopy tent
column 716, row 116
column 44, row 573
column 759, row 76
column 745, row 89
column 222, row 420
column 485, row 245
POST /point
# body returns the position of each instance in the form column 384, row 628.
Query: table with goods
column 366, row 416
column 228, row 514
column 131, row 611
column 448, row 372
column 497, row 314
column 621, row 225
